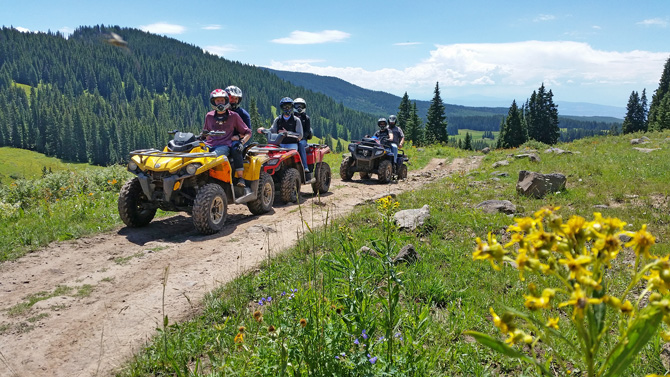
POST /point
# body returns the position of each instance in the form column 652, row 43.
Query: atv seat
column 183, row 142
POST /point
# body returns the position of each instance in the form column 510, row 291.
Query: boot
column 241, row 182
column 308, row 176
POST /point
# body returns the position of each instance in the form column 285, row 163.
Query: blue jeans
column 394, row 149
column 224, row 150
column 302, row 146
column 295, row 146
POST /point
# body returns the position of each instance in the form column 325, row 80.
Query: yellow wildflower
column 641, row 242
column 542, row 302
column 491, row 251
column 239, row 338
column 657, row 282
column 504, row 325
column 576, row 266
column 303, row 322
column 517, row 336
column 553, row 323
column 579, row 301
column 522, row 225
column 545, row 211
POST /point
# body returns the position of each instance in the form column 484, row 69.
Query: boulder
column 646, row 150
column 406, row 255
column 500, row 163
column 531, row 156
column 493, row 206
column 538, row 185
column 412, row 218
column 486, row 150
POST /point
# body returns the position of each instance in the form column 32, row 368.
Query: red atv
column 285, row 166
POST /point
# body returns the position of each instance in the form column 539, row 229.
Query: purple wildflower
column 356, row 341
column 365, row 336
column 373, row 360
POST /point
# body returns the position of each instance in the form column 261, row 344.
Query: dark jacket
column 306, row 126
column 292, row 124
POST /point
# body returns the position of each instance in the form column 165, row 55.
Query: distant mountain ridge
column 382, row 103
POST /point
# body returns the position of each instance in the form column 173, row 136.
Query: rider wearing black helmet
column 288, row 122
column 384, row 135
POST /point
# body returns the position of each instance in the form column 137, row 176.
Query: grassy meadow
column 325, row 309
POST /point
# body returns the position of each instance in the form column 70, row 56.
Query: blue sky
column 584, row 51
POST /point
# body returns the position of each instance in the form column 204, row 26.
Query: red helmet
column 219, row 93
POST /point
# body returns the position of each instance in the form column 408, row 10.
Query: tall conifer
column 436, row 120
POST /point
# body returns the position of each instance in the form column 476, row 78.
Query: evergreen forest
column 83, row 99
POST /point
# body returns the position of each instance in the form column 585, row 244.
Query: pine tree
column 542, row 117
column 339, row 148
column 512, row 130
column 414, row 131
column 658, row 109
column 436, row 120
column 468, row 141
column 635, row 120
column 404, row 112
column 256, row 122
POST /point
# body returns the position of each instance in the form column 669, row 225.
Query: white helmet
column 299, row 105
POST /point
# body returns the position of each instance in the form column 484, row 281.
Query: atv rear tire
column 323, row 175
column 289, row 190
column 364, row 174
column 210, row 209
column 402, row 171
column 345, row 169
column 265, row 195
column 385, row 171
column 130, row 203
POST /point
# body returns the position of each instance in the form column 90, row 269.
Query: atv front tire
column 345, row 168
column 265, row 195
column 385, row 171
column 323, row 175
column 131, row 203
column 289, row 191
column 210, row 209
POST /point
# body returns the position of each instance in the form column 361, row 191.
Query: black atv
column 373, row 156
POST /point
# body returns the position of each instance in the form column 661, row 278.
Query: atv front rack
column 157, row 153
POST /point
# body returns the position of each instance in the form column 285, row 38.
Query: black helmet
column 234, row 91
column 382, row 123
column 286, row 105
column 299, row 105
column 392, row 120
column 219, row 93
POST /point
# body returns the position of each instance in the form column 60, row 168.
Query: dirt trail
column 95, row 334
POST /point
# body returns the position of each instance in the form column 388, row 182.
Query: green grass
column 24, row 164
column 420, row 310
column 476, row 135
column 339, row 293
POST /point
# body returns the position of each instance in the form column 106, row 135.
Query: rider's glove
column 240, row 147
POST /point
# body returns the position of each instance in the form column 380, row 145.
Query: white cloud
column 305, row 37
column 654, row 22
column 509, row 70
column 67, row 31
column 221, row 50
column 407, row 43
column 22, row 29
column 212, row 27
column 544, row 17
column 596, row 27
column 163, row 28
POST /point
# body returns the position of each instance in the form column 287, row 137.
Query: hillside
column 480, row 118
column 83, row 99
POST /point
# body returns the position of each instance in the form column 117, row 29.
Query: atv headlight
column 132, row 166
column 192, row 168
column 379, row 153
column 272, row 161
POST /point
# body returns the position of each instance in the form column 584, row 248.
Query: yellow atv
column 186, row 177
